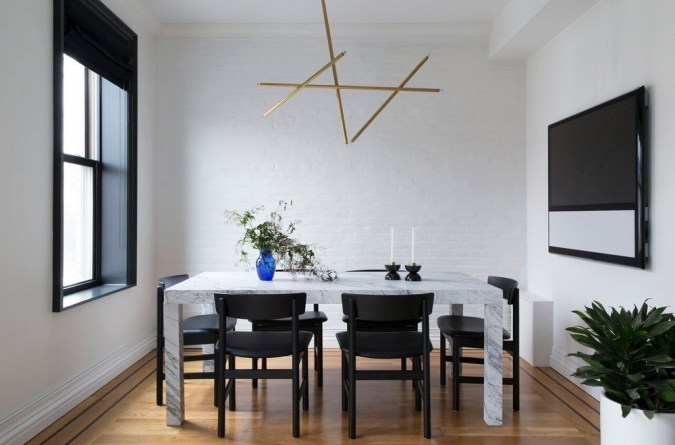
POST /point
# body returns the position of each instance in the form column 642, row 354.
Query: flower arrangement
column 274, row 235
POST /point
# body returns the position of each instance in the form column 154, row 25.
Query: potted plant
column 271, row 238
column 633, row 361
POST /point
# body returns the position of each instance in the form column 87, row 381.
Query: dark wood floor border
column 96, row 398
column 566, row 384
column 150, row 374
column 560, row 399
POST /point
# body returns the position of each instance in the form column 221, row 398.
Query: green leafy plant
column 632, row 357
column 274, row 235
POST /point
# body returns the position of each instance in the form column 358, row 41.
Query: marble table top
column 448, row 287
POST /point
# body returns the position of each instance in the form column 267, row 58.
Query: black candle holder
column 413, row 269
column 392, row 269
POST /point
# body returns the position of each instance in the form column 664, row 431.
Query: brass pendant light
column 337, row 87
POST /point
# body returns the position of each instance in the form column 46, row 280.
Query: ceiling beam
column 524, row 26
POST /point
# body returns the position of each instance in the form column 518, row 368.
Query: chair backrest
column 162, row 284
column 171, row 280
column 387, row 308
column 508, row 286
column 511, row 294
column 256, row 306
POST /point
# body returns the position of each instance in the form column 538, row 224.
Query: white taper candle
column 391, row 255
column 412, row 254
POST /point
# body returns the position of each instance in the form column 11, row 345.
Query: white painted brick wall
column 452, row 163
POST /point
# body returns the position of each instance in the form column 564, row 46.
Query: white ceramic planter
column 634, row 429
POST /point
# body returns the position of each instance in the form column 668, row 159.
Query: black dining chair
column 468, row 332
column 197, row 330
column 362, row 325
column 261, row 345
column 391, row 344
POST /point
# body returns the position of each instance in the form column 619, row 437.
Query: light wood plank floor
column 553, row 411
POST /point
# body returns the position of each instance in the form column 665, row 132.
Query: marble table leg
column 173, row 346
column 492, row 391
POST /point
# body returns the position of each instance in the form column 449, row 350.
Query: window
column 81, row 171
column 94, row 153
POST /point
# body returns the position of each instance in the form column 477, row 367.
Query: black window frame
column 106, row 44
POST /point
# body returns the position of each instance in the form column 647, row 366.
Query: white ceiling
column 516, row 28
column 339, row 11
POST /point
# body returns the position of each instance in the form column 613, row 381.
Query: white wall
column 452, row 164
column 614, row 48
column 43, row 351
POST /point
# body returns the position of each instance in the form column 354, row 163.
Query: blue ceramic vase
column 265, row 265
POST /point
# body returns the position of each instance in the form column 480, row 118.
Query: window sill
column 84, row 296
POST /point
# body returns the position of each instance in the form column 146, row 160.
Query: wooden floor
column 553, row 412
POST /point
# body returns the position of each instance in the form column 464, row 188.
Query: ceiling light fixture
column 337, row 87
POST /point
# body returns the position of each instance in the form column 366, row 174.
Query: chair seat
column 462, row 326
column 263, row 344
column 306, row 319
column 384, row 345
column 203, row 329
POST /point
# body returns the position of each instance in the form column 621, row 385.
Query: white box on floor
column 536, row 328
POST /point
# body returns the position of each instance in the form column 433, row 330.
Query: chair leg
column 232, row 396
column 416, row 385
column 220, row 389
column 254, row 361
column 456, row 360
column 316, row 359
column 344, row 381
column 443, row 360
column 318, row 356
column 404, row 367
column 160, row 373
column 426, row 394
column 352, row 398
column 216, row 379
column 295, row 398
column 221, row 412
column 305, row 378
column 254, row 365
column 516, row 382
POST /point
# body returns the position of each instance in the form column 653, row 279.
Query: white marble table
column 448, row 288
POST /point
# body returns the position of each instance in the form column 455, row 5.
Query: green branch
column 275, row 236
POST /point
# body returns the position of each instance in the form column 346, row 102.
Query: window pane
column 73, row 107
column 78, row 223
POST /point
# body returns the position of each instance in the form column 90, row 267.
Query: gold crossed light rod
column 297, row 87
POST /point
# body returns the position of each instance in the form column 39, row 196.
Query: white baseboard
column 24, row 424
column 566, row 366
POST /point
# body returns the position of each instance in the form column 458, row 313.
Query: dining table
column 451, row 291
